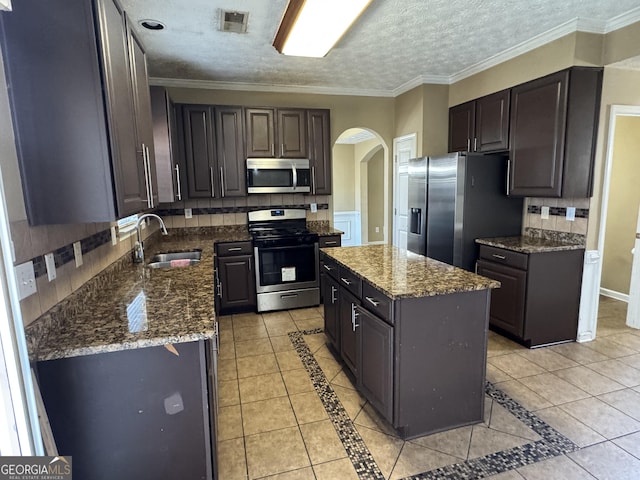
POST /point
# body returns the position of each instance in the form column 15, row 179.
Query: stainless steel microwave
column 278, row 175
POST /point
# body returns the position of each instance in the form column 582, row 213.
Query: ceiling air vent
column 235, row 22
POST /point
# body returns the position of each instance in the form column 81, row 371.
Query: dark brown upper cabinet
column 553, row 133
column 480, row 125
column 319, row 151
column 214, row 151
column 77, row 132
column 276, row 133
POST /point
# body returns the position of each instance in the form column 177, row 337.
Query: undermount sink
column 175, row 259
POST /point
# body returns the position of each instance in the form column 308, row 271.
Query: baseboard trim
column 623, row 297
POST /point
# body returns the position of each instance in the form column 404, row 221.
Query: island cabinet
column 553, row 133
column 80, row 105
column 276, row 133
column 480, row 125
column 235, row 282
column 403, row 349
column 131, row 414
column 539, row 298
column 213, row 148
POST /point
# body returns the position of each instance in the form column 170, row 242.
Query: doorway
column 620, row 269
column 404, row 148
column 361, row 187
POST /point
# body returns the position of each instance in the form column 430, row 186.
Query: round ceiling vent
column 152, row 24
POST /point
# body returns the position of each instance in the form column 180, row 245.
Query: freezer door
column 442, row 179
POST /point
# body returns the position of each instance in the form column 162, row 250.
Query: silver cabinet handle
column 508, row 176
column 282, row 149
column 468, row 144
column 313, row 180
column 213, row 188
column 334, row 299
column 218, row 285
column 345, row 280
column 216, row 344
column 177, row 169
column 354, row 316
column 327, row 267
column 332, row 242
column 145, row 165
column 295, row 177
column 499, row 257
column 475, row 144
column 289, row 295
column 222, row 187
column 372, row 301
column 234, row 249
column 151, row 202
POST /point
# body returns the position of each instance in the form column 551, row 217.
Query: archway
column 361, row 187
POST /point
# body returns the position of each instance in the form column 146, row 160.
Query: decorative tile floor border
column 552, row 444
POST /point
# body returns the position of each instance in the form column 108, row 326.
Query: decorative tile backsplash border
column 236, row 209
column 559, row 211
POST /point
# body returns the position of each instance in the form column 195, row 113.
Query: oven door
column 286, row 265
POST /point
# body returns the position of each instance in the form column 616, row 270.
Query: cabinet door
column 230, row 151
column 331, row 312
column 319, row 151
column 537, row 138
column 165, row 143
column 237, row 288
column 260, row 132
column 508, row 301
column 376, row 362
column 199, row 150
column 292, row 133
column 144, row 122
column 349, row 329
column 461, row 127
column 492, row 123
column 127, row 156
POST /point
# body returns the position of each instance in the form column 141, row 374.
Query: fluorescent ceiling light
column 310, row 28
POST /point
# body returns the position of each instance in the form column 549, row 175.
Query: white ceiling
column 394, row 46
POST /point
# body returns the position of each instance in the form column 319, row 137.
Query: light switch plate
column 544, row 213
column 77, row 253
column 26, row 279
column 571, row 213
column 314, row 207
column 51, row 266
column 188, row 213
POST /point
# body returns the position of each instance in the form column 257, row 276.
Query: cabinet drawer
column 226, row 249
column 504, row 257
column 350, row 281
column 329, row 241
column 377, row 302
column 329, row 266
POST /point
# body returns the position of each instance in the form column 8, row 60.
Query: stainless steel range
column 286, row 259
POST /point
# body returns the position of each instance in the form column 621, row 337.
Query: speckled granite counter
column 131, row 306
column 323, row 229
column 399, row 273
column 526, row 244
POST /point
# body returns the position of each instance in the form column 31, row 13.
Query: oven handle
column 287, row 247
column 289, row 295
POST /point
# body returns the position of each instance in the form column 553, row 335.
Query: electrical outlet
column 377, row 229
column 571, row 213
column 114, row 236
column 544, row 213
column 314, row 207
column 188, row 213
column 77, row 253
column 51, row 266
column 26, row 279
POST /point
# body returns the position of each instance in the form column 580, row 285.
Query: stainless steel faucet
column 138, row 249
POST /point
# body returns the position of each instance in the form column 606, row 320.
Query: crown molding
column 259, row 87
column 421, row 80
column 632, row 16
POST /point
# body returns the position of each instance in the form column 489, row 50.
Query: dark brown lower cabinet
column 234, row 278
column 132, row 414
column 376, row 361
column 539, row 300
column 349, row 332
column 331, row 312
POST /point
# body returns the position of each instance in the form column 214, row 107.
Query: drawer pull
column 234, row 249
column 372, row 301
column 499, row 257
column 327, row 267
column 345, row 280
column 289, row 295
column 332, row 242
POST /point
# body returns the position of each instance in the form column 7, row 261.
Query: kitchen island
column 412, row 331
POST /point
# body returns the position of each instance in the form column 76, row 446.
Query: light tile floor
column 272, row 423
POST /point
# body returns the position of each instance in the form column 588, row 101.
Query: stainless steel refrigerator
column 453, row 200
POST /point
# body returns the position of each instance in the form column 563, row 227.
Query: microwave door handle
column 295, row 177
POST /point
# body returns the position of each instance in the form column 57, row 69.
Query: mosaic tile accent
column 559, row 211
column 552, row 444
column 241, row 209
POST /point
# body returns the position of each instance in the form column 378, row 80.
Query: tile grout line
column 552, row 444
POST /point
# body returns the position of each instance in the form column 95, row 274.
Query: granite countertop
column 323, row 229
column 132, row 306
column 527, row 244
column 402, row 274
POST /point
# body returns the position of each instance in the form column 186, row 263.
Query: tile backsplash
column 557, row 220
